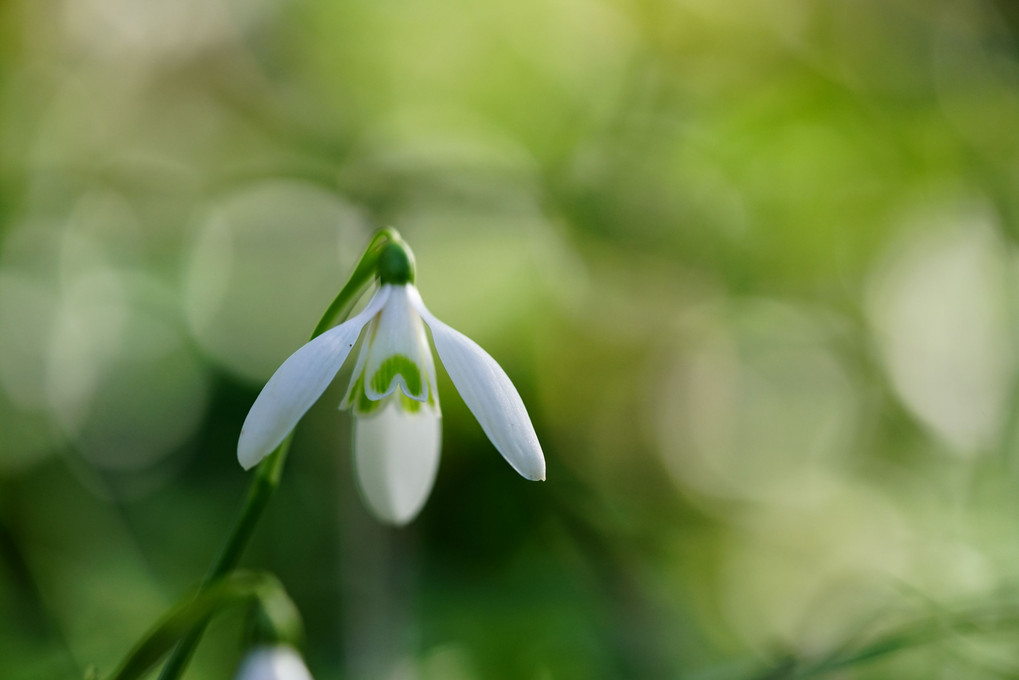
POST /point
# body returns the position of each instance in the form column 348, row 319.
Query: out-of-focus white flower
column 278, row 662
column 394, row 400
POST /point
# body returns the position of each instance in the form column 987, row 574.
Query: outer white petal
column 297, row 384
column 396, row 455
column 273, row 663
column 489, row 394
column 397, row 332
column 349, row 398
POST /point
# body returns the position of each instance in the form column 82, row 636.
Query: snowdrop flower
column 392, row 395
column 279, row 662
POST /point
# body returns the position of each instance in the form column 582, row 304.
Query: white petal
column 273, row 663
column 349, row 398
column 397, row 351
column 433, row 386
column 396, row 455
column 297, row 384
column 489, row 394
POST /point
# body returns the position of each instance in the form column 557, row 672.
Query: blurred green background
column 753, row 267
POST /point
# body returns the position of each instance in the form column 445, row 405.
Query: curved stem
column 268, row 474
column 238, row 588
column 362, row 275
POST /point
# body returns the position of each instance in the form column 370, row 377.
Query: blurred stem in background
column 268, row 474
column 940, row 627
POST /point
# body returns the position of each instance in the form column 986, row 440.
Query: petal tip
column 247, row 458
column 249, row 454
column 395, row 521
column 534, row 471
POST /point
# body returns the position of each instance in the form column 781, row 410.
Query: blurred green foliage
column 752, row 266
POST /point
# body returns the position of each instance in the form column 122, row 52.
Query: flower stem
column 268, row 474
column 262, row 487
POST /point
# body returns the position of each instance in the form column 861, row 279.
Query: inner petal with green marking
column 395, row 368
column 395, row 362
column 398, row 353
column 364, row 406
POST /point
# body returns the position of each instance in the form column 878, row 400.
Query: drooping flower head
column 392, row 395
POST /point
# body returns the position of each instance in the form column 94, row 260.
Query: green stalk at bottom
column 237, row 588
column 262, row 487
